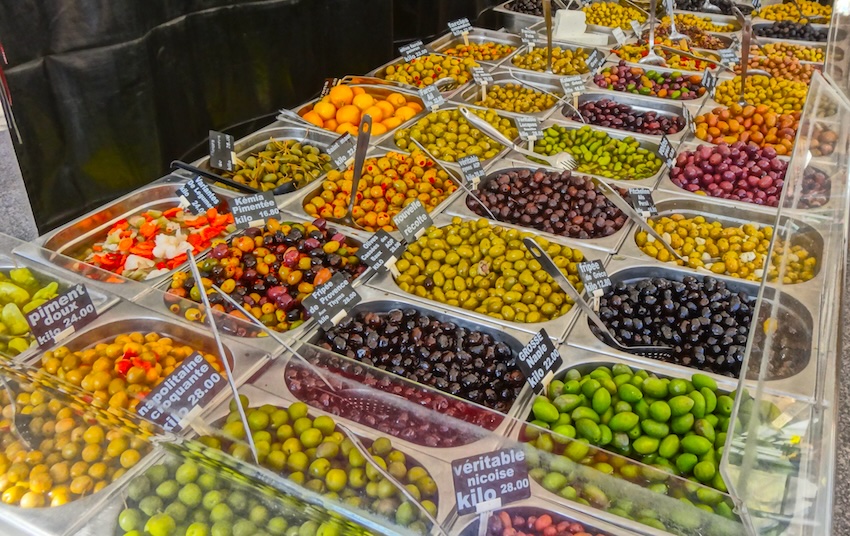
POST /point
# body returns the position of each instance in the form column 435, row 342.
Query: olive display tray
column 609, row 244
column 478, row 36
column 537, row 506
column 591, row 29
column 256, row 141
column 447, row 91
column 102, row 302
column 758, row 25
column 295, row 209
column 536, row 81
column 377, row 301
column 824, row 211
column 514, row 21
column 592, row 85
column 158, row 299
column 799, row 306
column 667, row 204
column 93, row 226
column 645, row 142
column 377, row 90
column 638, row 102
column 128, row 318
column 507, row 63
column 555, row 328
column 710, row 55
column 715, row 18
column 258, row 395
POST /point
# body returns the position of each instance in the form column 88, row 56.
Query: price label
column 342, row 150
column 641, row 200
column 329, row 84
column 594, row 277
column 472, row 170
column 538, row 360
column 431, row 97
column 412, row 221
column 197, row 196
column 636, row 28
column 529, row 128
column 413, row 50
column 221, row 150
column 528, row 36
column 667, row 152
column 756, row 4
column 736, row 44
column 182, row 394
column 480, row 76
column 595, row 60
column 489, row 481
column 729, row 56
column 329, row 302
column 381, row 250
column 573, row 84
column 689, row 119
column 55, row 320
column 708, row 81
column 253, row 210
column 460, row 27
column 620, row 35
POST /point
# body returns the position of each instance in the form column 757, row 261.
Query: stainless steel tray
column 800, row 305
column 594, row 87
column 296, row 210
column 447, row 91
column 708, row 54
column 514, row 21
column 537, row 81
column 257, row 140
column 375, row 300
column 508, row 63
column 610, row 243
column 638, row 103
column 645, row 142
column 759, row 25
column 715, row 18
column 478, row 36
column 127, row 318
column 87, row 229
column 439, row 470
column 556, row 327
column 102, row 302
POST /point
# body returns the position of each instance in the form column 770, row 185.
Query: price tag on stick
column 539, row 360
column 381, row 251
column 482, row 78
column 529, row 37
column 53, row 321
column 413, row 50
column 667, row 152
column 342, row 150
column 470, row 167
column 595, row 280
column 572, row 85
column 595, row 60
column 431, row 97
column 329, row 84
column 729, row 56
column 253, row 210
column 197, row 196
column 620, row 35
column 489, row 481
column 330, row 302
column 461, row 27
column 182, row 394
column 412, row 221
column 221, row 150
column 641, row 200
column 689, row 119
column 529, row 129
column 636, row 28
column 709, row 82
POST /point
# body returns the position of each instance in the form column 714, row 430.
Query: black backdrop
column 106, row 93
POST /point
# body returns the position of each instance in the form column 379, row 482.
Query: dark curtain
column 107, row 92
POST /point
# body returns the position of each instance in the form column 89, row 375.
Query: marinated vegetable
column 448, row 135
column 758, row 125
column 613, row 114
column 598, row 153
column 426, row 70
column 612, row 15
column 269, row 271
column 517, row 98
column 487, row 51
column 792, row 50
column 281, row 162
column 703, row 23
column 155, row 242
column 340, row 110
column 796, row 31
column 742, row 249
column 487, row 269
column 565, row 61
column 531, row 522
column 632, row 53
column 387, row 185
column 790, row 11
column 785, row 68
column 21, row 291
column 313, row 453
column 652, row 83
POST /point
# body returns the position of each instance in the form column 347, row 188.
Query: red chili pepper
column 122, row 366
